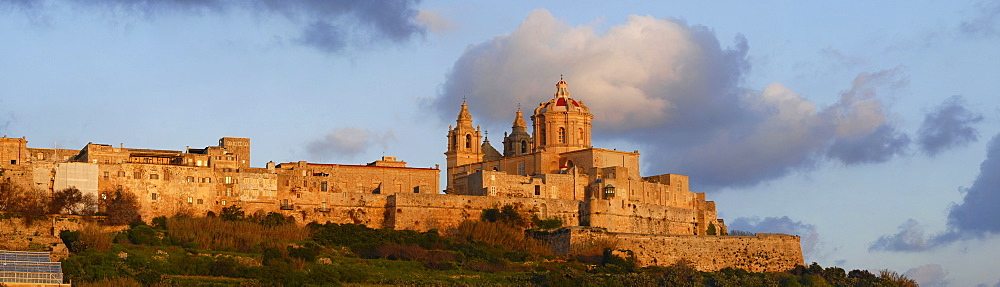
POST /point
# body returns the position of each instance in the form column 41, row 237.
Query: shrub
column 551, row 223
column 88, row 237
column 160, row 222
column 142, row 234
column 502, row 234
column 681, row 273
column 244, row 236
column 506, row 214
column 232, row 213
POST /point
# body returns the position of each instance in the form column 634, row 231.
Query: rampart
column 765, row 252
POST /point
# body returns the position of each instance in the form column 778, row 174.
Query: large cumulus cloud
column 328, row 26
column 675, row 90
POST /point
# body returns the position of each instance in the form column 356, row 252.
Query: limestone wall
column 422, row 212
column 762, row 253
column 632, row 217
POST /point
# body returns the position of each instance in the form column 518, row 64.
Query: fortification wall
column 329, row 207
column 625, row 216
column 422, row 212
column 762, row 253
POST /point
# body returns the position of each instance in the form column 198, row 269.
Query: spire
column 519, row 119
column 561, row 90
column 463, row 115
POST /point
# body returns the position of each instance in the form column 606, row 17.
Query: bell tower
column 463, row 143
column 519, row 141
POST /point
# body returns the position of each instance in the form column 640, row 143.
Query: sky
column 869, row 128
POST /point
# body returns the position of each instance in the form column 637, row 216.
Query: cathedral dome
column 562, row 102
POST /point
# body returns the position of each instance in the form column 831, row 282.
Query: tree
column 122, row 208
column 65, row 201
column 711, row 229
column 10, row 195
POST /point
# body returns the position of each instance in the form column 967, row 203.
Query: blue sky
column 864, row 127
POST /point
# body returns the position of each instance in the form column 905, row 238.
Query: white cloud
column 347, row 143
column 672, row 88
column 930, row 275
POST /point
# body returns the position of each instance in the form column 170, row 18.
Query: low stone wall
column 765, row 252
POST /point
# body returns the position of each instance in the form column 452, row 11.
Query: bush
column 88, row 237
column 232, row 213
column 681, row 273
column 551, row 223
column 142, row 234
column 244, row 236
column 506, row 214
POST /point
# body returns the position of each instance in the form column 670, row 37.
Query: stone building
column 552, row 171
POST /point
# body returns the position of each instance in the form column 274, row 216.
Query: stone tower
column 562, row 124
column 239, row 147
column 463, row 143
column 519, row 141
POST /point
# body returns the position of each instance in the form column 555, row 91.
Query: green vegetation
column 503, row 248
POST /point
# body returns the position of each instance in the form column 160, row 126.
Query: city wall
column 764, row 252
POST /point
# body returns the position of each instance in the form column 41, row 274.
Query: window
column 229, row 180
column 149, row 160
column 581, row 138
column 468, row 141
column 454, row 141
column 223, row 203
column 520, row 168
column 190, row 179
column 229, row 158
column 137, row 175
column 13, row 161
column 121, row 174
column 524, row 146
column 106, row 175
column 154, row 176
column 229, row 192
column 562, row 135
column 542, row 137
column 200, row 201
column 152, row 196
column 538, row 190
column 323, row 186
column 190, row 200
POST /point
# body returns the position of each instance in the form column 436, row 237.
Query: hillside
column 502, row 248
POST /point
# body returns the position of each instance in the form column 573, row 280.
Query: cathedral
column 557, row 161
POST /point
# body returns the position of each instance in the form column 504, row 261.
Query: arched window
column 562, row 135
column 454, row 141
column 582, row 138
column 468, row 141
column 524, row 146
column 542, row 136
